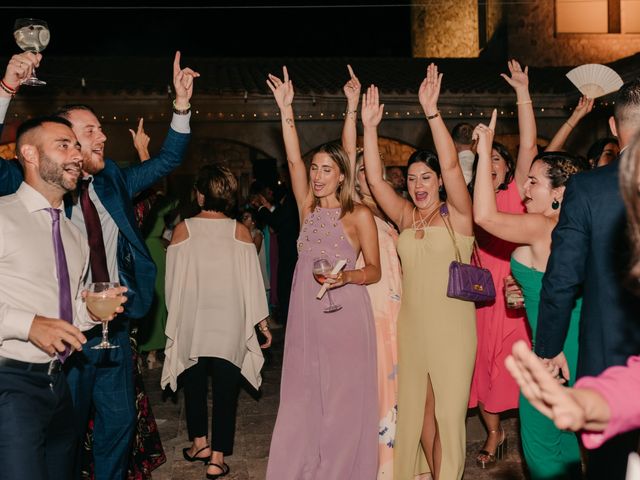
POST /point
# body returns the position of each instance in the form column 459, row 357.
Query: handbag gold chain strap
column 452, row 234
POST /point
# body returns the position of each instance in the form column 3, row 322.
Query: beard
column 54, row 174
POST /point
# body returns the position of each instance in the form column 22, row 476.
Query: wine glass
column 321, row 267
column 103, row 300
column 32, row 35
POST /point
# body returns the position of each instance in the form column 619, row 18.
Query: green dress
column 156, row 319
column 550, row 453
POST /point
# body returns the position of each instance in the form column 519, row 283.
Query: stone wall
column 448, row 28
column 532, row 39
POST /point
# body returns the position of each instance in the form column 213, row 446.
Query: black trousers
column 37, row 434
column 226, row 383
column 610, row 460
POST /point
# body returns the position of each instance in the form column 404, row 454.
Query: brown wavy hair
column 345, row 189
column 218, row 185
column 630, row 190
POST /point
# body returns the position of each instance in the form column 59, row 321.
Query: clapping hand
column 430, row 90
column 183, row 83
column 371, row 108
column 352, row 90
column 519, row 78
column 542, row 390
column 483, row 135
column 282, row 89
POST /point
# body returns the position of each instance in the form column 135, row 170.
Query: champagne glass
column 32, row 35
column 321, row 268
column 102, row 301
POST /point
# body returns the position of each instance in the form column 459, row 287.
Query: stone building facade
column 453, row 28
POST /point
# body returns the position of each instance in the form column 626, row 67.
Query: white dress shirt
column 28, row 276
column 466, row 159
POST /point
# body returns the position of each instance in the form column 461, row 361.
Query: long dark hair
column 508, row 159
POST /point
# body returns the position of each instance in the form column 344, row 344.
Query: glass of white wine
column 102, row 301
column 32, row 35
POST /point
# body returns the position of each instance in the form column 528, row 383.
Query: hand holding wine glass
column 32, row 35
column 104, row 300
column 322, row 270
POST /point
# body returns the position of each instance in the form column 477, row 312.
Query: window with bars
column 597, row 16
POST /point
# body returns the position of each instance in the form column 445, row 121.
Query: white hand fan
column 594, row 80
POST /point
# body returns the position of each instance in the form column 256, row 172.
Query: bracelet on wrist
column 570, row 124
column 524, row 102
column 8, row 89
column 179, row 111
column 435, row 115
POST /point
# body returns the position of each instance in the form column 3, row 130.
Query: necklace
column 419, row 226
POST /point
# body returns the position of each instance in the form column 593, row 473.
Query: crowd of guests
column 382, row 360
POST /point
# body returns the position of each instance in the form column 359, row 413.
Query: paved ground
column 255, row 423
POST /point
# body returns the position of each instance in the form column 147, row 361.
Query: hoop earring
column 555, row 205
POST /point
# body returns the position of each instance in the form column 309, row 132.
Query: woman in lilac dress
column 327, row 425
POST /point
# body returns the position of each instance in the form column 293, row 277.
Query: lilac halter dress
column 327, row 425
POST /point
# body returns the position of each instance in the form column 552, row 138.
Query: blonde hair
column 345, row 188
column 366, row 200
column 629, row 173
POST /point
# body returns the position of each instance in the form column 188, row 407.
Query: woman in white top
column 215, row 297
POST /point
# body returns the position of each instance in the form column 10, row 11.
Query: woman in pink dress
column 493, row 390
column 385, row 295
column 327, row 420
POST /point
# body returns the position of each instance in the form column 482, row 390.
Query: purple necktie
column 64, row 287
column 97, row 255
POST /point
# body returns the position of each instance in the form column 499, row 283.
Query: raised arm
column 393, row 205
column 457, row 194
column 524, row 229
column 528, row 149
column 349, row 131
column 585, row 105
column 283, row 93
column 141, row 141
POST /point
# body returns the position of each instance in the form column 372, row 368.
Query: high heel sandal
column 491, row 458
column 195, row 458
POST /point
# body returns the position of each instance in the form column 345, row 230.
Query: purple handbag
column 466, row 281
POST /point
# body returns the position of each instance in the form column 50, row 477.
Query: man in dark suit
column 282, row 216
column 118, row 253
column 590, row 256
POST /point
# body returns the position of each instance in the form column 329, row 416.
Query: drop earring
column 555, row 204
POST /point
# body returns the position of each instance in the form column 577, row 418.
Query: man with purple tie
column 43, row 260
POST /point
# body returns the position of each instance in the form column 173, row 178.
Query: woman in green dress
column 550, row 453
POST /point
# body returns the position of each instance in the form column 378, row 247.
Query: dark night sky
column 276, row 32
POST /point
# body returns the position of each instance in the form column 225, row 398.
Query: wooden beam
column 613, row 10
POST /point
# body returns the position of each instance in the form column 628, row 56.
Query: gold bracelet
column 435, row 115
column 570, row 124
column 179, row 111
column 524, row 102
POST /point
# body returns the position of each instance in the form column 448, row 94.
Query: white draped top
column 215, row 297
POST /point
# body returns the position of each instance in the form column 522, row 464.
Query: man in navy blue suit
column 101, row 378
column 590, row 256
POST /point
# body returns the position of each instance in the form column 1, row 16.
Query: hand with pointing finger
column 141, row 141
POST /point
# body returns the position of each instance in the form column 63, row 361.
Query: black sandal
column 225, row 471
column 195, row 458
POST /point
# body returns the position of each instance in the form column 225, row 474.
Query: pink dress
column 620, row 387
column 327, row 424
column 498, row 327
column 385, row 300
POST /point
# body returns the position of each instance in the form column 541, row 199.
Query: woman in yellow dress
column 436, row 334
